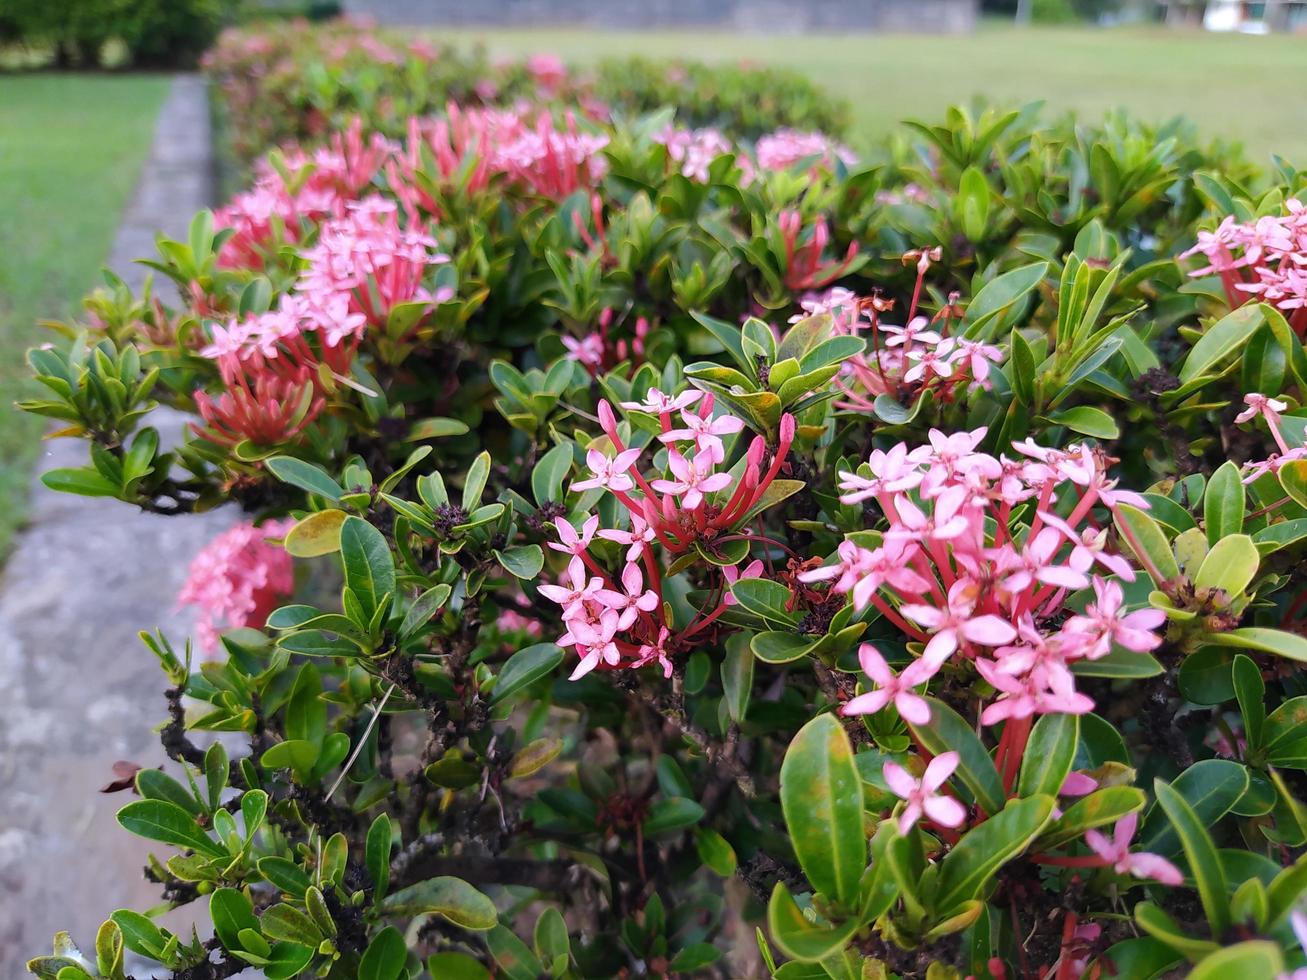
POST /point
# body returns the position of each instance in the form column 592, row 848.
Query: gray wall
column 759, row 16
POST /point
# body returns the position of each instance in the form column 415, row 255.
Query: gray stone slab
column 80, row 691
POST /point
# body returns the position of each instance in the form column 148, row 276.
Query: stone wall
column 756, row 16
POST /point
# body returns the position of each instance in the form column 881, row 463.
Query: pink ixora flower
column 1103, row 621
column 891, row 687
column 694, row 478
column 922, row 796
column 954, row 623
column 1261, row 405
column 706, row 433
column 611, row 474
column 1117, row 853
column 656, row 403
column 569, row 541
column 238, row 579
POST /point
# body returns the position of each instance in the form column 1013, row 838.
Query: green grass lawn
column 1245, row 88
column 71, row 147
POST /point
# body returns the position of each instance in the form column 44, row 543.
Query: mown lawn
column 1234, row 86
column 71, row 147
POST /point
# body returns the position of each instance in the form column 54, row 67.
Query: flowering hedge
column 296, row 82
column 654, row 537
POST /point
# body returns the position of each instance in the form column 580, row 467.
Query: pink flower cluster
column 696, row 149
column 1264, row 259
column 784, row 148
column 954, row 573
column 598, row 350
column 299, row 191
column 362, row 266
column 616, row 619
column 903, row 361
column 238, row 579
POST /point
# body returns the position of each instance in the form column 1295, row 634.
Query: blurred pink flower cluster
column 238, row 579
column 955, row 575
column 1264, row 259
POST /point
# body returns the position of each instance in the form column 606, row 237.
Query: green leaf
column 285, row 875
column 1098, row 809
column 460, row 966
column 675, row 813
column 1087, row 421
column 304, row 475
column 512, row 955
column 140, row 934
column 1223, row 503
column 1255, row 959
column 1147, row 540
column 475, row 484
column 376, row 854
column 799, row 938
column 169, row 823
column 974, row 860
column 1291, row 646
column 551, row 941
column 231, row 912
column 1293, row 477
column 1230, row 565
column 1141, row 958
column 550, row 472
column 525, row 667
column 1250, row 689
column 451, row 897
column 385, row 957
column 1120, row 663
column 737, row 676
column 779, row 647
column 369, row 565
column 821, row 796
column 288, row 924
column 715, row 851
column 1204, row 862
column 424, row 607
column 1209, row 787
column 523, row 561
column 84, row 481
column 1161, row 926
column 1221, row 340
column 1000, row 295
column 318, row 534
column 766, row 599
column 1049, row 753
column 947, row 731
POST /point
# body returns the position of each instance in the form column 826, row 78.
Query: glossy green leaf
column 1204, row 863
column 445, row 895
column 821, row 796
column 525, row 667
column 970, row 865
column 1050, row 750
column 798, row 937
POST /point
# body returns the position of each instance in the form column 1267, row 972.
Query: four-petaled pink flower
column 922, row 796
column 570, row 542
column 633, row 601
column 656, row 403
column 609, row 473
column 694, row 478
column 1262, row 405
column 1103, row 621
column 1117, row 853
column 641, row 534
column 955, row 623
column 706, row 433
column 573, row 598
column 891, row 687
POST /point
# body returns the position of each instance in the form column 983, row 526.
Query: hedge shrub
column 676, row 556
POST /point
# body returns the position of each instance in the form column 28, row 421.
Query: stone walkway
column 80, row 691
